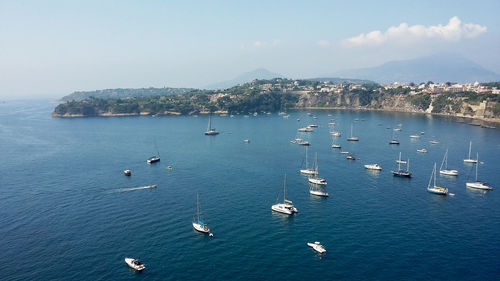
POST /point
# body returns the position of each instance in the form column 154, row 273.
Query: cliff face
column 452, row 106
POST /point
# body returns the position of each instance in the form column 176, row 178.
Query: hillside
column 124, row 93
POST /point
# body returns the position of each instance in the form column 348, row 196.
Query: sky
column 52, row 48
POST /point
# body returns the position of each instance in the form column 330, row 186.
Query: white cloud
column 454, row 31
column 323, row 43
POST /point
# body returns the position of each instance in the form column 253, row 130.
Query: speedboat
column 317, row 181
column 350, row 157
column 373, row 167
column 423, row 150
column 135, row 264
column 317, row 247
column 335, row 146
column 394, row 142
column 414, row 136
column 127, row 172
column 153, row 159
column 434, row 141
column 344, row 152
column 313, row 126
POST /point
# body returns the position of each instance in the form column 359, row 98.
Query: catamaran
column 210, row 131
column 470, row 160
column 198, row 223
column 445, row 163
column 307, row 170
column 351, row 138
column 402, row 173
column 478, row 184
column 287, row 206
column 436, row 189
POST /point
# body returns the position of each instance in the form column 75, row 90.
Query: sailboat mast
column 408, row 165
column 399, row 162
column 307, row 164
column 284, row 189
column 316, row 162
column 209, row 122
column 477, row 164
column 470, row 146
column 197, row 206
column 434, row 172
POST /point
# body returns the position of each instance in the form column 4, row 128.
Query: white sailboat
column 198, row 223
column 470, row 160
column 352, row 138
column 314, row 178
column 436, row 189
column 318, row 190
column 307, row 170
column 334, row 143
column 154, row 158
column 287, row 206
column 210, row 131
column 478, row 184
column 445, row 163
column 399, row 161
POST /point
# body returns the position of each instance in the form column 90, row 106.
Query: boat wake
column 136, row 188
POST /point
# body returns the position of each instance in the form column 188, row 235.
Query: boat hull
column 284, row 209
column 401, row 174
column 153, row 160
column 308, row 172
column 449, row 172
column 373, row 167
column 318, row 193
column 470, row 161
column 131, row 264
column 478, row 185
column 317, row 247
column 200, row 228
column 317, row 181
column 438, row 190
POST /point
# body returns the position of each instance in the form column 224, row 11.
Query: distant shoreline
column 172, row 113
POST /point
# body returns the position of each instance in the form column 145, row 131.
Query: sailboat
column 445, row 163
column 210, row 131
column 436, row 189
column 314, row 178
column 287, row 206
column 198, row 224
column 470, row 160
column 155, row 158
column 478, row 184
column 308, row 171
column 393, row 140
column 402, row 173
column 351, row 138
column 334, row 143
column 317, row 190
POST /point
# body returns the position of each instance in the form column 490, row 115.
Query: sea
column 68, row 212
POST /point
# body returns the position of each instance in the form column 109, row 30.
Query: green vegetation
column 421, row 101
column 125, row 93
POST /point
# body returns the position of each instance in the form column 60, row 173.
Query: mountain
column 436, row 68
column 260, row 73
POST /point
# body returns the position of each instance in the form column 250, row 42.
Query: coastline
column 174, row 113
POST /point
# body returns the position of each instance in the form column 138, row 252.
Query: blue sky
column 52, row 48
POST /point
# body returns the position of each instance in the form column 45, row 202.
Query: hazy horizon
column 53, row 48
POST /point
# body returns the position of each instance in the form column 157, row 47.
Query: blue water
column 66, row 212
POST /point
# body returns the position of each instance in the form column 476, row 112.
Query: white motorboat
column 287, row 206
column 434, row 141
column 317, row 247
column 335, row 133
column 210, row 131
column 470, row 160
column 336, row 145
column 306, row 129
column 135, row 264
column 436, row 189
column 307, row 170
column 373, row 167
column 313, row 126
column 478, row 184
column 127, row 172
column 445, row 171
column 198, row 223
column 414, row 136
column 422, row 150
column 153, row 159
column 344, row 152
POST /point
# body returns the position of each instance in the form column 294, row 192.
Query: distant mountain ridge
column 336, row 80
column 436, row 68
column 260, row 73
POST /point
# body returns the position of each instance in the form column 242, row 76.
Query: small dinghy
column 317, row 247
column 135, row 264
